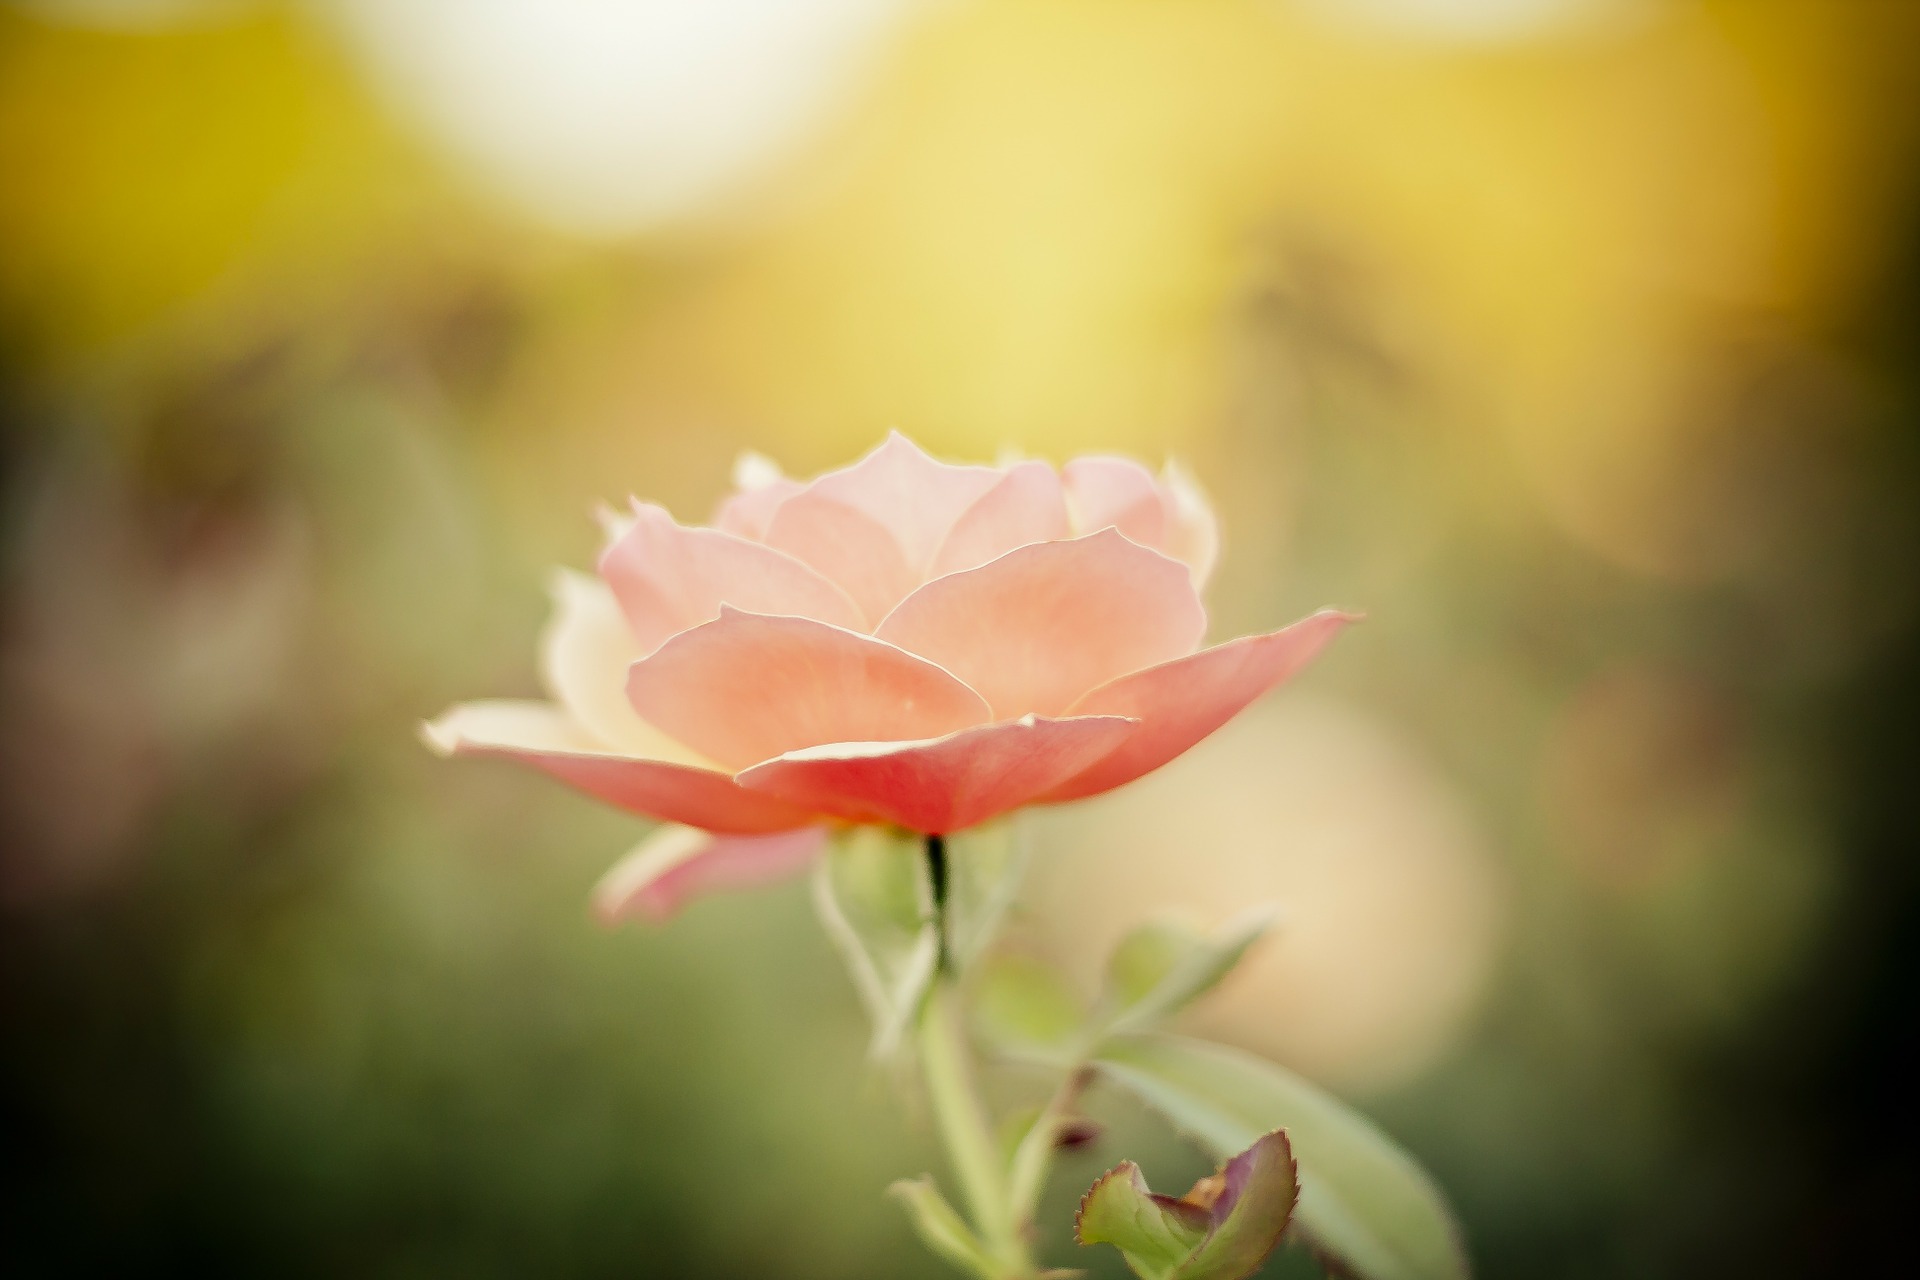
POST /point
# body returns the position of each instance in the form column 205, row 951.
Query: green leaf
column 1154, row 1233
column 1364, row 1202
column 985, row 866
column 872, row 896
column 1024, row 1008
column 1163, row 966
column 942, row 1229
column 1223, row 1229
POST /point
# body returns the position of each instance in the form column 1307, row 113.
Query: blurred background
column 1574, row 340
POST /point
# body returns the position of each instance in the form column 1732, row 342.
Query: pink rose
column 901, row 642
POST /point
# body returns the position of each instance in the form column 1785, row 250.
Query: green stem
column 957, row 1108
column 1033, row 1158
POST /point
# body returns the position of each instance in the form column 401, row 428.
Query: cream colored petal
column 584, row 655
column 1192, row 533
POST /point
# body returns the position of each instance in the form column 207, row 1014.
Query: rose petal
column 1179, row 703
column 1192, row 534
column 850, row 548
column 747, row 515
column 584, row 655
column 1118, row 492
column 747, row 687
column 915, row 497
column 669, row 578
column 1028, row 505
column 540, row 734
column 945, row 784
column 676, row 864
column 1043, row 624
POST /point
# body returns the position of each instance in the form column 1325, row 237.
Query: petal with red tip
column 1027, row 505
column 669, row 578
column 944, row 784
column 541, row 735
column 747, row 687
column 848, row 547
column 915, row 497
column 1179, row 703
column 1118, row 492
column 677, row 864
column 1043, row 624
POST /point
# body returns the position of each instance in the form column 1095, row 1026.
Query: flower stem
column 1033, row 1158
column 957, row 1108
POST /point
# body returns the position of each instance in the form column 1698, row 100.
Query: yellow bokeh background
column 1569, row 340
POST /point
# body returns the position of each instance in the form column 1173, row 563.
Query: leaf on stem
column 1364, row 1203
column 941, row 1228
column 1165, row 965
column 1223, row 1229
column 1024, row 1008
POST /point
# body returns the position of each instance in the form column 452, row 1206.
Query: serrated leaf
column 1223, row 1229
column 941, row 1228
column 985, row 867
column 871, row 893
column 1025, row 1008
column 1163, row 966
column 1364, row 1202
column 1257, row 1192
column 1154, row 1233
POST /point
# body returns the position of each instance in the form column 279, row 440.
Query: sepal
column 985, row 866
column 873, row 899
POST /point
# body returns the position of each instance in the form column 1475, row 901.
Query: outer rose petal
column 1027, row 505
column 541, row 735
column 945, row 784
column 912, row 495
column 584, row 655
column 676, row 864
column 848, row 547
column 747, row 687
column 1044, row 624
column 1179, row 703
column 1118, row 492
column 668, row 578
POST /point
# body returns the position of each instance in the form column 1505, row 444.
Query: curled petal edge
column 677, row 864
column 1182, row 702
column 541, row 735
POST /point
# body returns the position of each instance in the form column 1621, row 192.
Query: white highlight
column 609, row 116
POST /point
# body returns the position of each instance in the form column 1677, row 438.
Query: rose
column 901, row 642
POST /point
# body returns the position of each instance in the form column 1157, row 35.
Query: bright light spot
column 1480, row 21
column 1389, row 904
column 613, row 115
